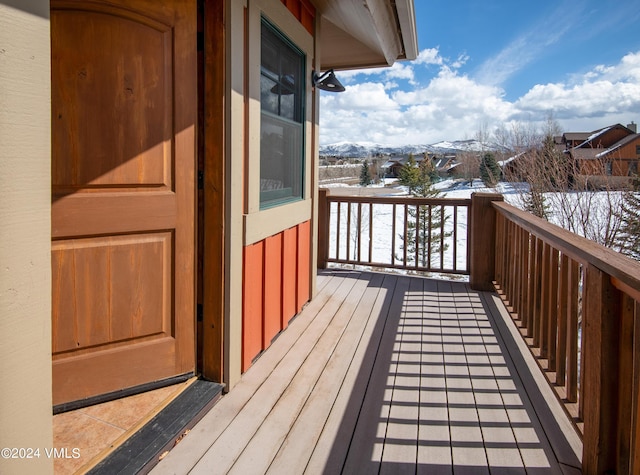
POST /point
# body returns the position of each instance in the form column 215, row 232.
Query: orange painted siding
column 273, row 282
column 304, row 11
column 252, row 305
column 289, row 275
column 276, row 279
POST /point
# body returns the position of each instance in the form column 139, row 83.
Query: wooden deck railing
column 419, row 234
column 577, row 305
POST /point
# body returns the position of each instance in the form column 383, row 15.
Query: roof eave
column 366, row 33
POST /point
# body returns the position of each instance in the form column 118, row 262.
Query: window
column 608, row 168
column 633, row 168
column 282, row 96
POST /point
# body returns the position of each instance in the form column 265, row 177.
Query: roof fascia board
column 383, row 30
column 407, row 19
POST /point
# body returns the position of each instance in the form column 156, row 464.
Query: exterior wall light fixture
column 327, row 81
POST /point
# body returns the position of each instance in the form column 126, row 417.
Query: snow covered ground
column 387, row 240
column 387, row 244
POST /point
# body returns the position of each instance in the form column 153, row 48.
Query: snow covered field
column 387, row 243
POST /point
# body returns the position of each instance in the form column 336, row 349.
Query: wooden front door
column 124, row 95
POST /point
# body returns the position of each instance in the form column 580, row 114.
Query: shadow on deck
column 383, row 373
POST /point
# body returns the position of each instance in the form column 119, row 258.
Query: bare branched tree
column 469, row 165
column 557, row 191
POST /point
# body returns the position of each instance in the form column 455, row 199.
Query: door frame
column 211, row 100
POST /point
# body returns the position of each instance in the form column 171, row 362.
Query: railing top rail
column 624, row 271
column 399, row 200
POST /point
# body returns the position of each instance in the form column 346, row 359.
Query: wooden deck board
column 385, row 374
column 225, row 452
column 331, row 448
column 305, row 432
column 258, row 455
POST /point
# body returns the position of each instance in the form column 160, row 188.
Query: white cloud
column 429, row 56
column 365, row 96
column 460, row 61
column 401, row 71
column 452, row 105
column 604, row 91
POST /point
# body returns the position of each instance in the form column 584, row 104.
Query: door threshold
column 140, row 452
column 121, row 393
column 91, row 435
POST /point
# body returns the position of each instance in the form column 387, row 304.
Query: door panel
column 114, row 88
column 123, row 155
column 122, row 304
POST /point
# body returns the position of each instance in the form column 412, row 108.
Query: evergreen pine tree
column 629, row 236
column 365, row 174
column 409, row 174
column 489, row 170
column 425, row 221
column 535, row 202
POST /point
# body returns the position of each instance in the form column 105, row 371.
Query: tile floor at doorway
column 96, row 431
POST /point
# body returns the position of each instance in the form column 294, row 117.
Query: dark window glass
column 282, row 119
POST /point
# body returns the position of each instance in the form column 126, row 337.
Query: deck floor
column 385, row 373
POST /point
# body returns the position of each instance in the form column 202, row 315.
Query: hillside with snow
column 368, row 149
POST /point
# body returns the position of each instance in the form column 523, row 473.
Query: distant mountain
column 367, row 149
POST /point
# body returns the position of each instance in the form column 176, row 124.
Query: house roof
column 593, row 146
column 502, row 163
column 596, row 134
column 618, row 145
column 401, row 160
column 581, row 136
column 366, row 33
column 585, row 153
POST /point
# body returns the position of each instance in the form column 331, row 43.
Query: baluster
column 393, row 234
column 552, row 317
column 359, row 231
column 348, row 236
column 370, row 232
column 455, row 237
column 545, row 301
column 442, row 237
column 338, row 229
column 563, row 308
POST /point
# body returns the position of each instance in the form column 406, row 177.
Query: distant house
column 512, row 166
column 443, row 164
column 573, row 139
column 612, row 151
column 606, row 156
column 393, row 165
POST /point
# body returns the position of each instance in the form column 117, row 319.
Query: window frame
column 261, row 222
column 278, row 118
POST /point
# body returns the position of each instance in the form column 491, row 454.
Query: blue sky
column 501, row 64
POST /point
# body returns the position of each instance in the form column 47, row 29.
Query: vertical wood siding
column 252, row 319
column 276, row 281
column 273, row 283
column 303, row 10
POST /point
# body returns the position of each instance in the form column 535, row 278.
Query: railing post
column 323, row 228
column 601, row 337
column 482, row 240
